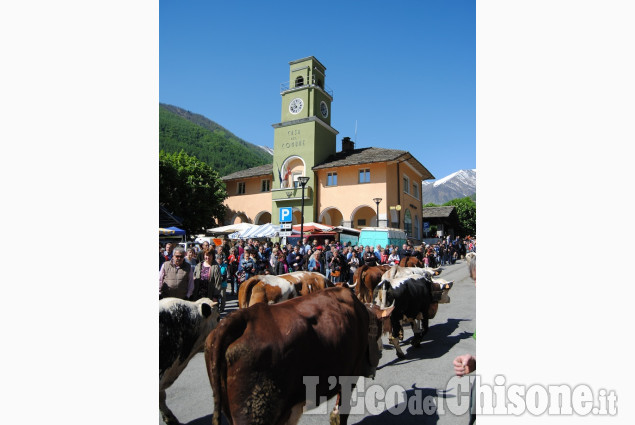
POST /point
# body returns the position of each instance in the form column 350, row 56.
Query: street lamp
column 303, row 181
column 377, row 201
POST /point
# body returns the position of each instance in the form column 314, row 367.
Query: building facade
column 343, row 187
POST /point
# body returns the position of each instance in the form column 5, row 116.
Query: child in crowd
column 222, row 263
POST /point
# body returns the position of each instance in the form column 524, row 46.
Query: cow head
column 376, row 315
column 208, row 310
column 440, row 289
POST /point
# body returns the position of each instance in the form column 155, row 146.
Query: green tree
column 190, row 189
column 466, row 210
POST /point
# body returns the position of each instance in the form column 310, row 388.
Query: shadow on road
column 412, row 411
column 437, row 342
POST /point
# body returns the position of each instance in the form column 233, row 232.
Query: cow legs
column 337, row 418
column 394, row 341
column 418, row 336
column 166, row 413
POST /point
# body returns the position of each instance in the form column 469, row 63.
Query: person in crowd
column 261, row 260
column 222, row 264
column 295, row 259
column 273, row 259
column 190, row 257
column 281, row 266
column 232, row 261
column 176, row 277
column 168, row 251
column 405, row 252
column 385, row 255
column 247, row 265
column 207, row 278
column 369, row 257
column 220, row 253
column 314, row 263
column 378, row 251
column 417, row 252
column 328, row 256
column 200, row 257
column 306, row 246
column 352, row 260
column 337, row 265
column 393, row 258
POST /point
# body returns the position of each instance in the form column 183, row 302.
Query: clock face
column 296, row 106
column 324, row 109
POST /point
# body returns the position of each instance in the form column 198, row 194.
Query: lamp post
column 303, row 181
column 377, row 201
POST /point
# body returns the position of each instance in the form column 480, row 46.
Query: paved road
column 424, row 374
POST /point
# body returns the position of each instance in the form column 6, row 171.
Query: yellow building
column 344, row 188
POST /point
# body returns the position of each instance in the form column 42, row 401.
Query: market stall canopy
column 346, row 230
column 171, row 231
column 313, row 227
column 225, row 230
column 267, row 230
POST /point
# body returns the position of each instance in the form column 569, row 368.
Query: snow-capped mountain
column 266, row 149
column 456, row 185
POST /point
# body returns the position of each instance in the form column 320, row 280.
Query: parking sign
column 286, row 214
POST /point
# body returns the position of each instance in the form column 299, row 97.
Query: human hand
column 464, row 364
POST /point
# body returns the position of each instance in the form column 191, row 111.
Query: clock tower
column 303, row 137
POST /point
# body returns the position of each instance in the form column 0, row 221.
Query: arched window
column 407, row 223
column 299, row 81
column 416, row 227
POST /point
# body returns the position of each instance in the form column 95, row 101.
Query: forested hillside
column 206, row 140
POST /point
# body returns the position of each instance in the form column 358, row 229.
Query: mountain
column 456, row 185
column 201, row 137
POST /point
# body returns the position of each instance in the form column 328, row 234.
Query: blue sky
column 404, row 71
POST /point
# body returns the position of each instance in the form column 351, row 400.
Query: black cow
column 183, row 327
column 414, row 297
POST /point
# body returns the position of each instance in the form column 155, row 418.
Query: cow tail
column 362, row 288
column 247, row 286
column 216, row 346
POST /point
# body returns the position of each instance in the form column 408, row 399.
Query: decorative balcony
column 291, row 194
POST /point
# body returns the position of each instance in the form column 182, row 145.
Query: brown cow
column 369, row 277
column 410, row 261
column 258, row 358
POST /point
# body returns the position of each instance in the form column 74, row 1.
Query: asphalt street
column 418, row 389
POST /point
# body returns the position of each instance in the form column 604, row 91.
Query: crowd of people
column 215, row 271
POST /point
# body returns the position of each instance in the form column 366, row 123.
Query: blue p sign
column 286, row 214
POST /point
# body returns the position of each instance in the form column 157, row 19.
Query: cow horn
column 352, row 286
column 385, row 312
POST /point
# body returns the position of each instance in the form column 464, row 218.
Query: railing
column 288, row 85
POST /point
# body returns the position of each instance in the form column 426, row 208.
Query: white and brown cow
column 183, row 327
column 270, row 289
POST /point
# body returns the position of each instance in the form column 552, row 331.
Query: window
column 331, row 179
column 406, row 184
column 361, row 222
column 415, row 190
column 407, row 223
column 416, row 227
column 265, row 186
column 241, row 188
column 299, row 82
column 364, row 176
